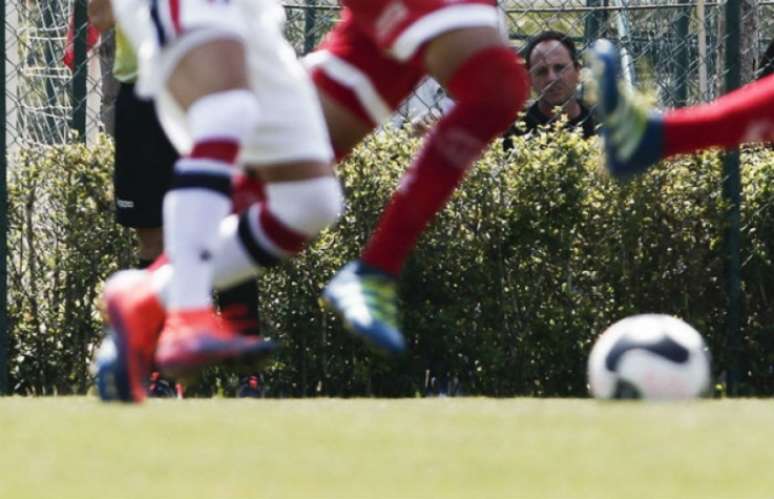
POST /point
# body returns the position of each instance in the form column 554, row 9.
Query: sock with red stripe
column 193, row 209
column 274, row 229
column 489, row 89
column 744, row 115
column 200, row 195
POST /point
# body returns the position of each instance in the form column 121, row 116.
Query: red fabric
column 224, row 150
column 343, row 95
column 162, row 260
column 92, row 37
column 392, row 80
column 490, row 89
column 246, row 190
column 385, row 20
column 744, row 115
column 174, row 13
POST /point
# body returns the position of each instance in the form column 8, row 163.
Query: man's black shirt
column 535, row 118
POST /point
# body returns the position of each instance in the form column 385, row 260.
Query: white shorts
column 291, row 125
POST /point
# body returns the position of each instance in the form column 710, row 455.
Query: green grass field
column 76, row 447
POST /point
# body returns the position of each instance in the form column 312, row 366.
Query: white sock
column 191, row 220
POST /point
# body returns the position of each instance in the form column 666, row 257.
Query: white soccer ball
column 649, row 356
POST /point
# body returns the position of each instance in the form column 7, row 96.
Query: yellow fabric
column 125, row 63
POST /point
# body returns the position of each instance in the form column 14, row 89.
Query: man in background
column 554, row 74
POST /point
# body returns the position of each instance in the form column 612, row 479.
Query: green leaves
column 63, row 242
column 535, row 254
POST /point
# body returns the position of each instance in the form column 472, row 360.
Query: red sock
column 489, row 89
column 744, row 115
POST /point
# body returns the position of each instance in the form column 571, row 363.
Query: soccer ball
column 649, row 356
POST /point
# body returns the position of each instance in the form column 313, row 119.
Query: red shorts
column 371, row 60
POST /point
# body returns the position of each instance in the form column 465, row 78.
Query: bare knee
column 346, row 130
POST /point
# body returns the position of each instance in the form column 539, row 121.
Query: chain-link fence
column 674, row 47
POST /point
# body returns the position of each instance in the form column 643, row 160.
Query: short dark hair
column 545, row 36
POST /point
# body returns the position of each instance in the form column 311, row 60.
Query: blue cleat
column 366, row 300
column 109, row 374
column 633, row 134
column 133, row 319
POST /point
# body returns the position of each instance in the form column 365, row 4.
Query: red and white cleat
column 194, row 339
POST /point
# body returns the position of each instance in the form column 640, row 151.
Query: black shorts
column 144, row 161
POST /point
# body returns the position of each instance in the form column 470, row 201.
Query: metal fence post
column 3, row 223
column 595, row 21
column 310, row 18
column 682, row 59
column 80, row 68
column 732, row 195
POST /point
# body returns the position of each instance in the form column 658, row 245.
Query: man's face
column 553, row 75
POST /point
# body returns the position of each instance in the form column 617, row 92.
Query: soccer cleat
column 134, row 318
column 159, row 387
column 194, row 339
column 632, row 133
column 366, row 300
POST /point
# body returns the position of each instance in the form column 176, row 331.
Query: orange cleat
column 134, row 317
column 194, row 339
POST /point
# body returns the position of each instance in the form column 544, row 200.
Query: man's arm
column 101, row 14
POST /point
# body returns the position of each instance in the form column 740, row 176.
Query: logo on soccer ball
column 649, row 356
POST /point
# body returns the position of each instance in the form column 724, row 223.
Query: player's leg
column 144, row 160
column 203, row 73
column 488, row 83
column 364, row 297
column 460, row 45
column 299, row 198
column 150, row 244
column 489, row 86
column 211, row 86
column 636, row 136
column 745, row 115
column 346, row 129
column 239, row 304
column 142, row 173
column 290, row 155
column 359, row 86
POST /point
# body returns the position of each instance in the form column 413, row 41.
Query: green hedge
column 62, row 244
column 535, row 254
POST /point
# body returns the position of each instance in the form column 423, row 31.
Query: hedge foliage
column 534, row 256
